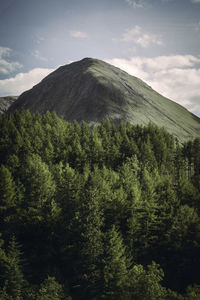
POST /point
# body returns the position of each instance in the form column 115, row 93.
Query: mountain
column 6, row 102
column 92, row 90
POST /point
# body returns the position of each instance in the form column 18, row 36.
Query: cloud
column 138, row 36
column 136, row 3
column 131, row 34
column 176, row 76
column 7, row 66
column 78, row 34
column 143, row 3
column 39, row 39
column 196, row 26
column 166, row 1
column 22, row 81
column 38, row 55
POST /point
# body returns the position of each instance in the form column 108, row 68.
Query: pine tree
column 145, row 284
column 39, row 186
column 3, row 259
column 50, row 289
column 14, row 279
column 7, row 190
column 91, row 223
column 116, row 266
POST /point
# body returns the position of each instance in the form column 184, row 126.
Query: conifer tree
column 39, row 185
column 3, row 259
column 14, row 279
column 91, row 218
column 7, row 189
column 145, row 284
column 116, row 266
column 50, row 289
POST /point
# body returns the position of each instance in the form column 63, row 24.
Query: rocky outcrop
column 6, row 102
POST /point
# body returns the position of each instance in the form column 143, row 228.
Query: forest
column 109, row 212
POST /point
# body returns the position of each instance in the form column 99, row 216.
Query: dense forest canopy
column 105, row 213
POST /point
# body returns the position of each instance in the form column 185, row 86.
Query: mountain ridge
column 92, row 90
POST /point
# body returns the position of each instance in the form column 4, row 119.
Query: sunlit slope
column 92, row 90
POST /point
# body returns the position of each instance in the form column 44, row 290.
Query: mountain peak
column 92, row 90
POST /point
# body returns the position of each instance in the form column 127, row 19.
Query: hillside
column 93, row 90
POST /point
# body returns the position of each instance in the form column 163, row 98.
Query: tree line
column 110, row 212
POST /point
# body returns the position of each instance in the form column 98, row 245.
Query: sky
column 155, row 40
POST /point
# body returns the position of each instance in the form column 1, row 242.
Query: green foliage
column 91, row 239
column 146, row 283
column 93, row 208
column 50, row 289
column 193, row 292
column 38, row 183
column 115, row 266
column 7, row 189
column 13, row 277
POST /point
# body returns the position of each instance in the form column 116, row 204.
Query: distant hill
column 6, row 102
column 93, row 90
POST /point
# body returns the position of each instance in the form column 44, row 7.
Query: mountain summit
column 93, row 90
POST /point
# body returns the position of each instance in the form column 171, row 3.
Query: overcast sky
column 155, row 40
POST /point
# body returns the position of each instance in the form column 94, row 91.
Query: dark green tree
column 39, row 186
column 7, row 189
column 90, row 222
column 146, row 284
column 116, row 266
column 14, row 278
column 50, row 289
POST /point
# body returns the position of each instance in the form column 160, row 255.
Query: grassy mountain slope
column 92, row 90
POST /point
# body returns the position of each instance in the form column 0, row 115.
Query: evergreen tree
column 91, row 241
column 50, row 289
column 116, row 266
column 87, row 203
column 39, row 186
column 3, row 259
column 14, row 279
column 7, row 189
column 146, row 283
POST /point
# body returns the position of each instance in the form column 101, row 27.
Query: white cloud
column 195, row 1
column 39, row 39
column 176, row 76
column 38, row 55
column 78, row 34
column 22, row 81
column 131, row 34
column 136, row 3
column 7, row 66
column 138, row 36
column 4, row 51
